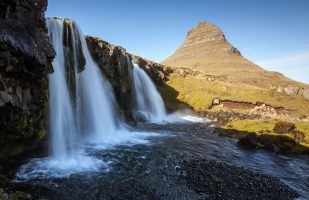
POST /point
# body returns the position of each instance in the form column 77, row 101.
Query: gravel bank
column 223, row 181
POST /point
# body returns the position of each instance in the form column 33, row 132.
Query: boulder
column 215, row 101
column 291, row 90
column 249, row 141
column 271, row 147
column 280, row 89
column 283, row 127
column 299, row 136
column 306, row 93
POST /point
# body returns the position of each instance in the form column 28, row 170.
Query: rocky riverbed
column 185, row 161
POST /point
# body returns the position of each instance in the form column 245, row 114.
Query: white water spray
column 62, row 125
column 149, row 104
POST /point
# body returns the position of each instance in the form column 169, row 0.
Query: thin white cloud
column 256, row 47
column 293, row 60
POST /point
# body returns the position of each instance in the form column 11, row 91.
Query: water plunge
column 62, row 125
column 82, row 109
column 83, row 118
column 149, row 103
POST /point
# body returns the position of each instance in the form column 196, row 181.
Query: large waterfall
column 149, row 104
column 82, row 109
column 81, row 101
column 62, row 122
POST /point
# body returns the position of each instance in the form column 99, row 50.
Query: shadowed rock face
column 25, row 62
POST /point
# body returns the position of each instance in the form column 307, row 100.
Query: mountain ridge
column 206, row 49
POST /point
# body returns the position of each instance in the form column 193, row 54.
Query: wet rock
column 283, row 127
column 133, row 189
column 271, row 147
column 25, row 62
column 249, row 141
column 115, row 64
column 19, row 196
column 223, row 181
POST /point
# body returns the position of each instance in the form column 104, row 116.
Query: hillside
column 207, row 66
column 206, row 49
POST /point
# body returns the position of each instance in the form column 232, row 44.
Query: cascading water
column 149, row 104
column 83, row 116
column 82, row 109
column 62, row 124
column 91, row 100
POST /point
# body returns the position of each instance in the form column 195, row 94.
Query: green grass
column 199, row 93
column 252, row 125
column 262, row 126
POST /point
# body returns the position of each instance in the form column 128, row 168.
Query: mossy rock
column 1, row 194
column 18, row 195
column 283, row 127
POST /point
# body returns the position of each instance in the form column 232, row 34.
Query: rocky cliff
column 25, row 62
column 115, row 64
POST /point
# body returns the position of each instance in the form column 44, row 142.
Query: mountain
column 206, row 49
column 207, row 67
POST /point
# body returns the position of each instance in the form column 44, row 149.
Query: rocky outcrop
column 306, row 93
column 283, row 127
column 25, row 62
column 115, row 64
column 158, row 73
column 293, row 90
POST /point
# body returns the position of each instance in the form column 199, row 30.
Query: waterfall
column 83, row 109
column 81, row 100
column 62, row 126
column 149, row 104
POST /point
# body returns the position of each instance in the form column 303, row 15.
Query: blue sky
column 271, row 33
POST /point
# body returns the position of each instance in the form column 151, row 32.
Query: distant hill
column 206, row 49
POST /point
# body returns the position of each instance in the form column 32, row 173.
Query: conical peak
column 203, row 32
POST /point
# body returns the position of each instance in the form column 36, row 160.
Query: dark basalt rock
column 249, row 141
column 223, row 181
column 25, row 62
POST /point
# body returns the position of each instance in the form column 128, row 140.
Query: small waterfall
column 97, row 101
column 149, row 104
